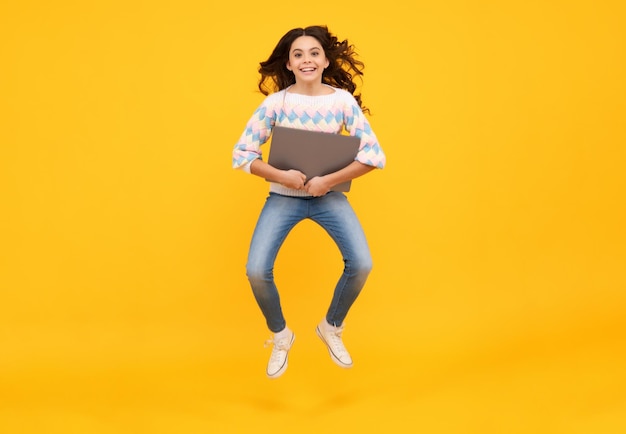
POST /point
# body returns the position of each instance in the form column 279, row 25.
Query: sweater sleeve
column 256, row 133
column 370, row 151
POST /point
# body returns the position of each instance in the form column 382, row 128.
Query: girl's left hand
column 317, row 186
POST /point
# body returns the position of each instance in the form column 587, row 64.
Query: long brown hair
column 343, row 66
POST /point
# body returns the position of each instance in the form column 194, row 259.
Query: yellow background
column 497, row 301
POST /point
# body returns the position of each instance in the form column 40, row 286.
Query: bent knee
column 362, row 265
column 258, row 272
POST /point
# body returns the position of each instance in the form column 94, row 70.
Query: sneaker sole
column 283, row 368
column 332, row 356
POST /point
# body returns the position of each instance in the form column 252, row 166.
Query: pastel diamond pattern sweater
column 327, row 113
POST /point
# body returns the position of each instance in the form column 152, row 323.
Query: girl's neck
column 312, row 89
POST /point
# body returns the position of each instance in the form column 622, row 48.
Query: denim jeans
column 279, row 215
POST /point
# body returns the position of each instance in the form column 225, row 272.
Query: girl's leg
column 279, row 215
column 335, row 214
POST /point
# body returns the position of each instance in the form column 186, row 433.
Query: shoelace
column 281, row 345
column 336, row 342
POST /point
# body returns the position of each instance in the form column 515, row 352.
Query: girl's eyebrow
column 310, row 49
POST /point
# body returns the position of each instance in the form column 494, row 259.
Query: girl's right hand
column 293, row 179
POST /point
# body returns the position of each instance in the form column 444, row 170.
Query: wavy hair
column 343, row 66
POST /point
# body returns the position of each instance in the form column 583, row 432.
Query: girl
column 308, row 84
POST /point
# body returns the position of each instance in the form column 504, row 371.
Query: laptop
column 314, row 153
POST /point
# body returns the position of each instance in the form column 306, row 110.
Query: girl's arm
column 289, row 178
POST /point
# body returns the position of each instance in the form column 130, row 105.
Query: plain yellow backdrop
column 497, row 300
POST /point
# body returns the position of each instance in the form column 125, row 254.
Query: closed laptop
column 314, row 153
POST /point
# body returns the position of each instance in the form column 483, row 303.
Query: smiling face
column 307, row 60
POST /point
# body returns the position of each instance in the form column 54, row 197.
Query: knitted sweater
column 327, row 113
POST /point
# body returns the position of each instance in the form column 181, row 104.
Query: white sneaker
column 331, row 336
column 278, row 360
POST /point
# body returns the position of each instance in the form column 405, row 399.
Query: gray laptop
column 314, row 153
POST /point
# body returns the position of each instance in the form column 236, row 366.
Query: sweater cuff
column 246, row 167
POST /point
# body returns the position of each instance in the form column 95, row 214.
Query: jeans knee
column 361, row 266
column 258, row 273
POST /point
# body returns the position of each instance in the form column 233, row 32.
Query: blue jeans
column 279, row 215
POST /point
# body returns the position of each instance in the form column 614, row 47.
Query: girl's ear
column 288, row 66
